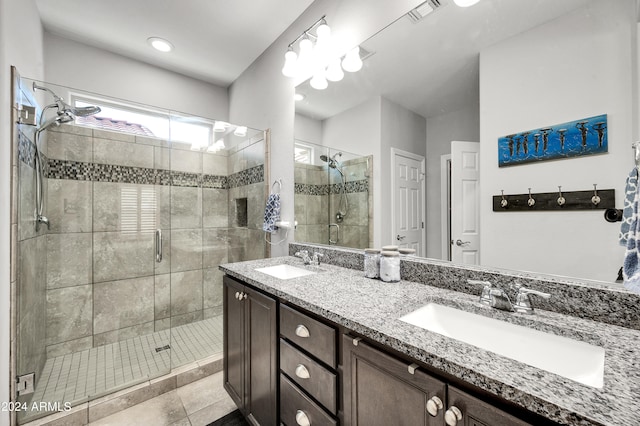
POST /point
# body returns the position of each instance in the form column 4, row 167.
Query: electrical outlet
column 25, row 384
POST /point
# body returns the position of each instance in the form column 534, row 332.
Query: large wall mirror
column 477, row 74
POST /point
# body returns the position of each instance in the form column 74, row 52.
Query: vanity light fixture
column 465, row 3
column 219, row 126
column 315, row 59
column 240, row 131
column 217, row 146
column 160, row 44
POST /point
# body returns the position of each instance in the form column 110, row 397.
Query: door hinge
column 25, row 114
column 25, row 384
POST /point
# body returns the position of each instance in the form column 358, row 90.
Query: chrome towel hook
column 279, row 182
column 503, row 203
column 531, row 202
column 595, row 199
column 561, row 200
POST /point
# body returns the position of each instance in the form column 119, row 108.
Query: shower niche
column 120, row 226
column 333, row 196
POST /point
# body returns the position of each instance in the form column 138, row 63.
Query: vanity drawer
column 294, row 403
column 312, row 335
column 319, row 382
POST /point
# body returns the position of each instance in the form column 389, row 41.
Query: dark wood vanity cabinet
column 250, row 352
column 476, row 412
column 382, row 390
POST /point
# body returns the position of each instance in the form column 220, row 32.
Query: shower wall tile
column 71, row 129
column 214, row 164
column 186, row 161
column 69, row 260
column 14, row 252
column 186, row 292
column 186, row 249
column 317, row 210
column 254, row 155
column 68, row 146
column 186, row 208
column 255, row 205
column 163, row 324
column 161, row 158
column 122, row 153
column 147, row 140
column 214, row 247
column 125, row 333
column 235, row 162
column 30, row 338
column 124, row 303
column 253, row 251
column 69, row 313
column 162, row 296
column 236, row 238
column 300, row 202
column 26, row 197
column 119, row 256
column 178, row 320
column 318, row 234
column 116, row 136
column 69, row 205
column 121, row 206
column 70, row 347
column 214, row 208
column 212, row 288
column 32, row 275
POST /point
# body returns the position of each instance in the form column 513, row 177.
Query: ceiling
column 431, row 67
column 215, row 40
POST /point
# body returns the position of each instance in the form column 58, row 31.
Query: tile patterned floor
column 95, row 372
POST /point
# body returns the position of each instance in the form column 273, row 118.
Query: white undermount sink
column 573, row 359
column 285, row 272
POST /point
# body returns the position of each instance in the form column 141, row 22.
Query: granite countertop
column 372, row 308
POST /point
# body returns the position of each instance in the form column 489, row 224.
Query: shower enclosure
column 118, row 229
column 333, row 203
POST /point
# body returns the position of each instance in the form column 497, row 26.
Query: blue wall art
column 581, row 137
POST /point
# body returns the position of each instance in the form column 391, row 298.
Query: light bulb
column 290, row 64
column 465, row 3
column 160, row 44
column 241, row 131
column 318, row 81
column 219, row 126
column 352, row 61
column 323, row 45
column 334, row 71
column 299, row 97
column 324, row 33
column 305, row 58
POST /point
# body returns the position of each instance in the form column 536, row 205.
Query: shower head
column 65, row 117
column 324, row 158
column 66, row 112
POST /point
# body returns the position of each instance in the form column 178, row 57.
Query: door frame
column 445, row 206
column 423, row 181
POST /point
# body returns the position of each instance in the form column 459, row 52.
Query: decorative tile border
column 336, row 188
column 26, row 149
column 76, row 170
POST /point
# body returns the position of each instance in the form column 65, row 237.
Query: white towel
column 271, row 214
column 630, row 234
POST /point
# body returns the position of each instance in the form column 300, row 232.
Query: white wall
column 578, row 66
column 20, row 46
column 405, row 130
column 87, row 68
column 307, row 129
column 462, row 125
column 263, row 98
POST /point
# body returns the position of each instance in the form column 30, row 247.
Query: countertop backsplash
column 582, row 299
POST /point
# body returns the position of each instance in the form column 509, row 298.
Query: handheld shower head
column 65, row 117
column 64, row 109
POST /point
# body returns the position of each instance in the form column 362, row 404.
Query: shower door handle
column 158, row 245
column 337, row 233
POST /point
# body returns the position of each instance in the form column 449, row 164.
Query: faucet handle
column 523, row 299
column 316, row 257
column 485, row 297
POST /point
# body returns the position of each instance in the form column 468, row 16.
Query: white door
column 408, row 200
column 465, row 202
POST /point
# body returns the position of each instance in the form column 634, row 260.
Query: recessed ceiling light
column 299, row 96
column 160, row 44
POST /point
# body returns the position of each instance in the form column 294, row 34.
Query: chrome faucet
column 304, row 255
column 523, row 299
column 493, row 296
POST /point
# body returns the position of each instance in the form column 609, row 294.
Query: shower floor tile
column 80, row 376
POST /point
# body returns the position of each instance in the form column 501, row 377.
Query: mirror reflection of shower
column 65, row 113
column 343, row 207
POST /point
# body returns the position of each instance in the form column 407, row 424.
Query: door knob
column 452, row 416
column 400, row 238
column 238, row 295
column 461, row 243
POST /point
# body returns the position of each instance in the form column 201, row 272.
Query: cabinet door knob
column 302, row 331
column 452, row 416
column 434, row 405
column 302, row 372
column 302, row 419
column 238, row 295
column 243, row 296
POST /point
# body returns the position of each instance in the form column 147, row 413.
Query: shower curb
column 126, row 398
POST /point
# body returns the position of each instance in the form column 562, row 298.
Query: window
column 303, row 153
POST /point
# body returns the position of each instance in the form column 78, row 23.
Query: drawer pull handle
column 452, row 416
column 412, row 368
column 434, row 405
column 302, row 331
column 302, row 372
column 302, row 419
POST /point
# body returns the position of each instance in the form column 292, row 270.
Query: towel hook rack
column 279, row 182
column 636, row 148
